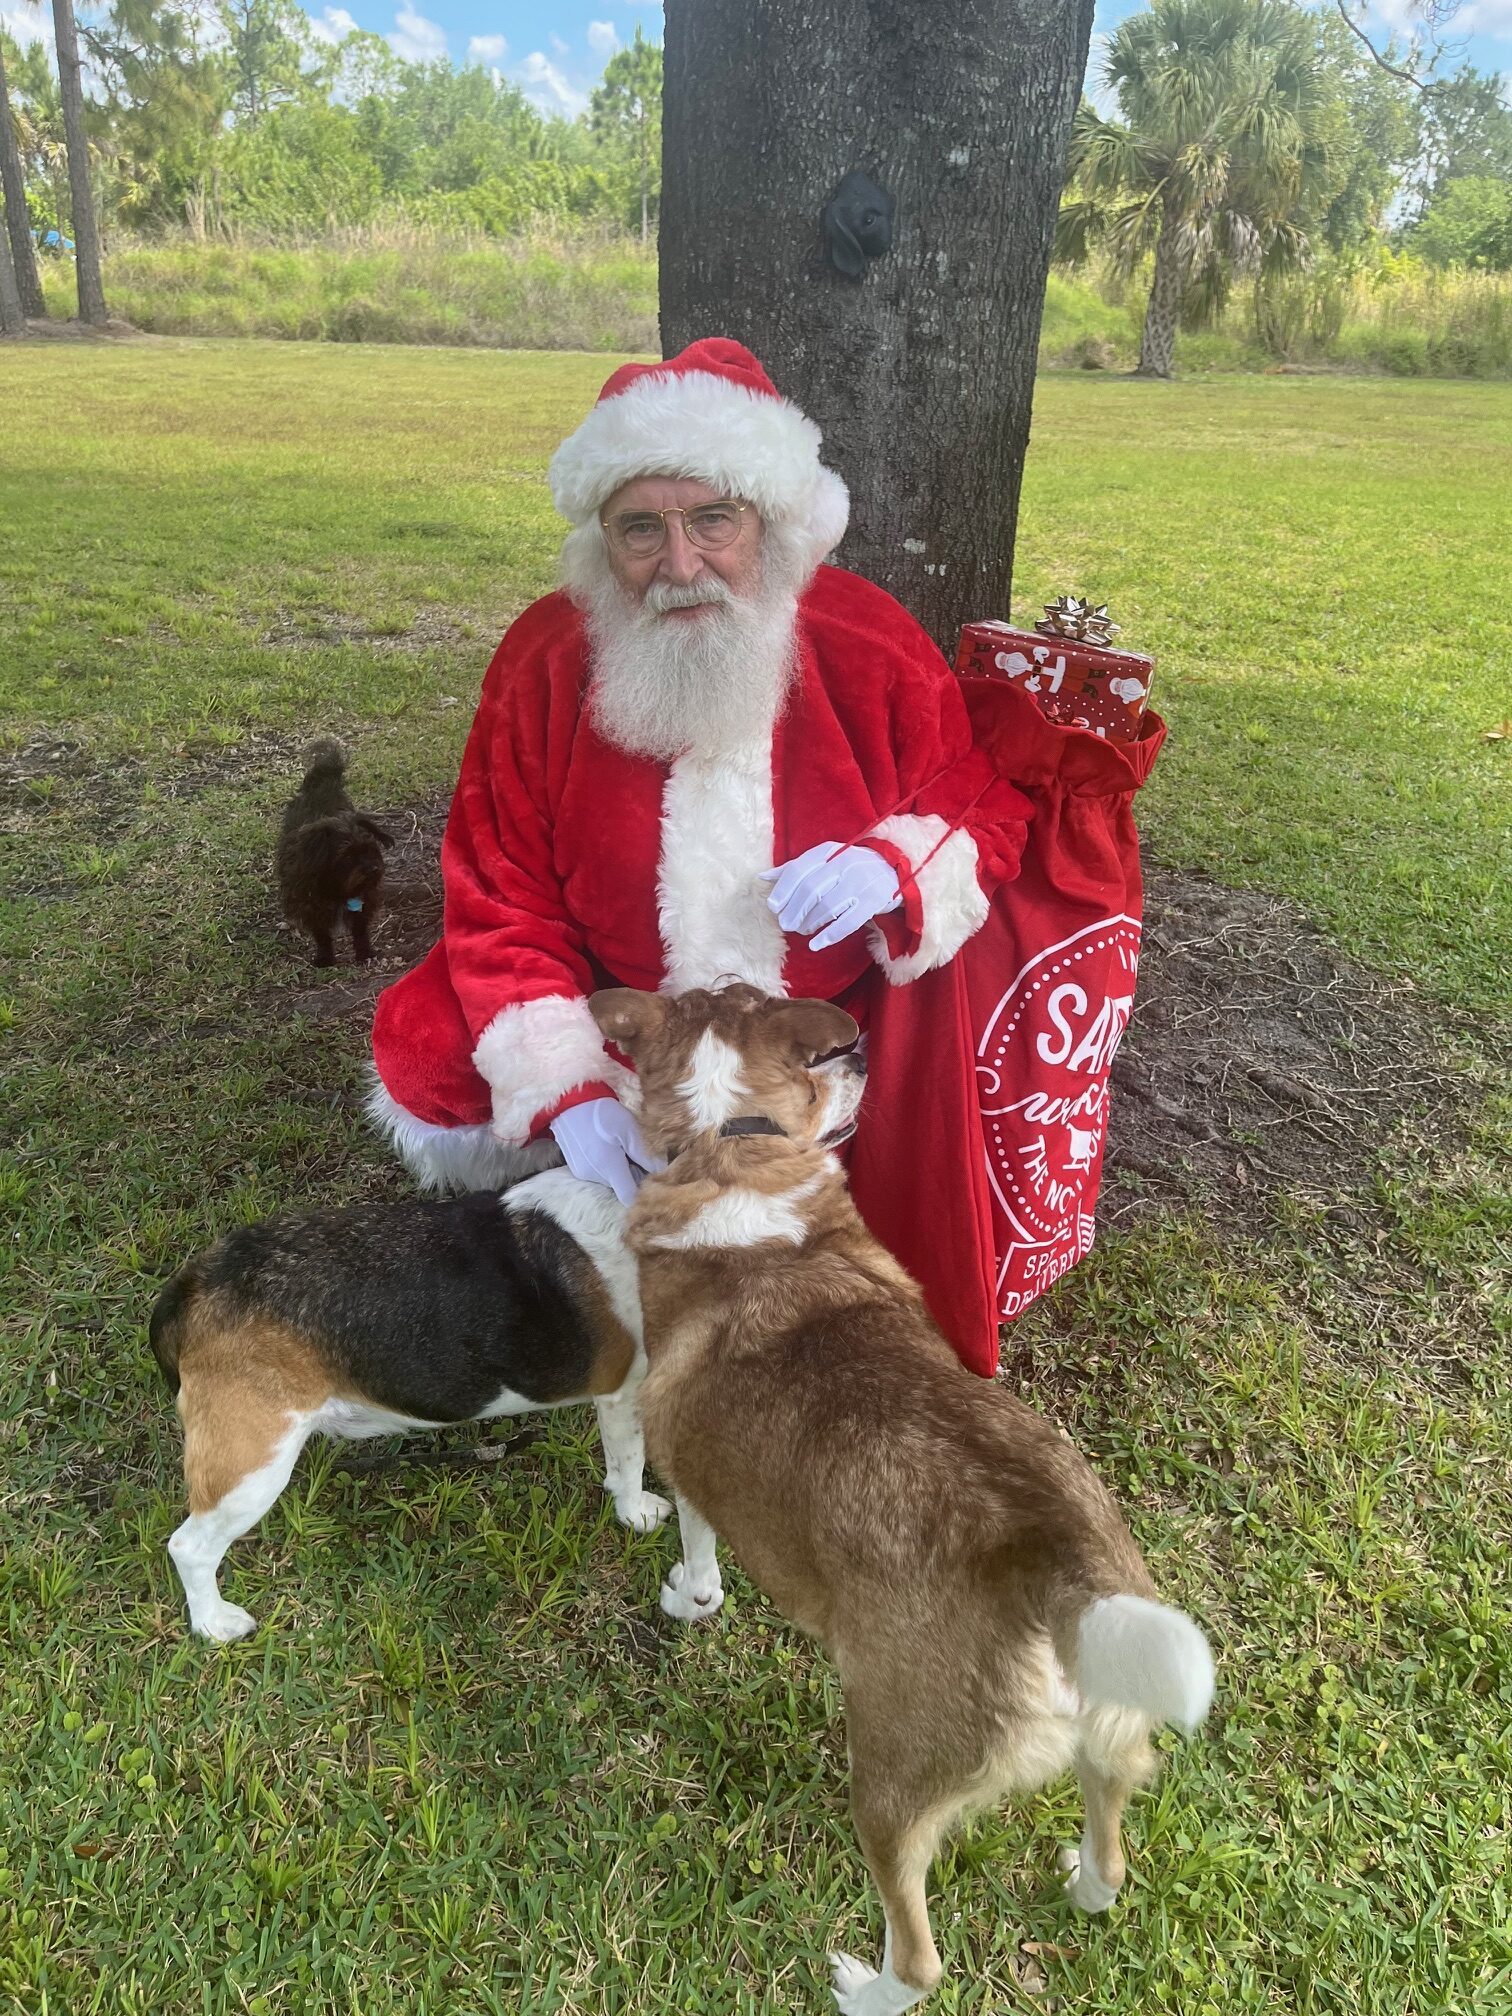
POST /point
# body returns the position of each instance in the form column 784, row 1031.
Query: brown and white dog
column 386, row 1319
column 986, row 1606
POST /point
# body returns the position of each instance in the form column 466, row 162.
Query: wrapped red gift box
column 1073, row 681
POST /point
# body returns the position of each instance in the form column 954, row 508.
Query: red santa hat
column 714, row 414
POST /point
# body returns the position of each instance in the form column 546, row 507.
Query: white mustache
column 664, row 595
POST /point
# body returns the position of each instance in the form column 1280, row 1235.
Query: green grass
column 461, row 1767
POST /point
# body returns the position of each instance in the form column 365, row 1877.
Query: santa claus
column 707, row 757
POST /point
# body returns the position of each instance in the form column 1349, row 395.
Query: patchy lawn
column 464, row 1764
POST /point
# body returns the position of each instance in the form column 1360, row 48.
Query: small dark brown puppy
column 330, row 858
column 987, row 1609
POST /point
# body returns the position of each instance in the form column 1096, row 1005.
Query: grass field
column 462, row 1766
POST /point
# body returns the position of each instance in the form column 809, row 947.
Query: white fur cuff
column 535, row 1052
column 953, row 901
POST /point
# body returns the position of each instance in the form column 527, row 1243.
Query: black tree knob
column 858, row 224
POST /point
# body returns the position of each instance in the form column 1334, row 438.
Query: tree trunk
column 86, row 235
column 921, row 372
column 12, row 318
column 1157, row 344
column 13, row 189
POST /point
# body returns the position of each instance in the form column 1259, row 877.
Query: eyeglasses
column 640, row 534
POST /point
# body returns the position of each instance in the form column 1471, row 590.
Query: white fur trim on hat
column 693, row 424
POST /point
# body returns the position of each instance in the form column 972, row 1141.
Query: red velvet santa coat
column 570, row 865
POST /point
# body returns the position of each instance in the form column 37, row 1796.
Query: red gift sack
column 996, row 1066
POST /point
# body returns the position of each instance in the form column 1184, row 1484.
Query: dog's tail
column 165, row 1327
column 325, row 762
column 1132, row 1652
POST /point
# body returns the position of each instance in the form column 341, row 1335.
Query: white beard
column 669, row 686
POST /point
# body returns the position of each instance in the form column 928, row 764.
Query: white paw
column 681, row 1598
column 851, row 1979
column 1083, row 1885
column 225, row 1623
column 853, row 1984
column 641, row 1511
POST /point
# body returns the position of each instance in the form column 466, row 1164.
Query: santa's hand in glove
column 830, row 891
column 602, row 1143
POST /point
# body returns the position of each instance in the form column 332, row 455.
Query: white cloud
column 333, row 26
column 25, row 25
column 559, row 47
column 1485, row 17
column 602, row 39
column 416, row 39
column 486, row 49
column 547, row 89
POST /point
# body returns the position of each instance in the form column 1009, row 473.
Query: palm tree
column 13, row 187
column 1221, row 154
column 86, row 233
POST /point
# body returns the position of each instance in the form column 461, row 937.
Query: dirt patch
column 1261, row 1059
column 114, row 331
column 312, row 629
column 55, row 778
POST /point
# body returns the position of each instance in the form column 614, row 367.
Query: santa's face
column 680, row 565
column 691, row 650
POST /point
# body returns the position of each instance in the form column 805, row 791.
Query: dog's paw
column 641, row 1511
column 851, row 1980
column 225, row 1623
column 1081, row 1881
column 681, row 1598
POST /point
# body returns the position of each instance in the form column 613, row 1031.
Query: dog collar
column 751, row 1123
column 762, row 1123
column 354, row 902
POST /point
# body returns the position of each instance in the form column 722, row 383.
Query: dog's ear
column 628, row 1017
column 321, row 844
column 379, row 832
column 813, row 1028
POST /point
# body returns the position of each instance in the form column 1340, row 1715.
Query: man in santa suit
column 707, row 757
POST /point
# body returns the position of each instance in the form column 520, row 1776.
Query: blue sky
column 556, row 49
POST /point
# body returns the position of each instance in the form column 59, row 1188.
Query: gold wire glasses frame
column 708, row 527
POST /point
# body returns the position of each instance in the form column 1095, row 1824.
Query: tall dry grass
column 397, row 281
column 390, row 283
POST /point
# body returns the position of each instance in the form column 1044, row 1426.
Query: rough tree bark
column 921, row 373
column 1157, row 342
column 12, row 320
column 85, row 231
column 13, row 189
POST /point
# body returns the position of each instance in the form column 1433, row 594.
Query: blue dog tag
column 354, row 902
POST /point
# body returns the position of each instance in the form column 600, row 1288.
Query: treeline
column 234, row 119
column 1240, row 145
column 1249, row 180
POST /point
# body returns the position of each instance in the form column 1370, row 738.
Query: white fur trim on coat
column 453, row 1158
column 535, row 1051
column 716, row 837
column 694, row 424
column 954, row 903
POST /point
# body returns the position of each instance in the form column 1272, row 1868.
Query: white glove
column 601, row 1143
column 832, row 891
